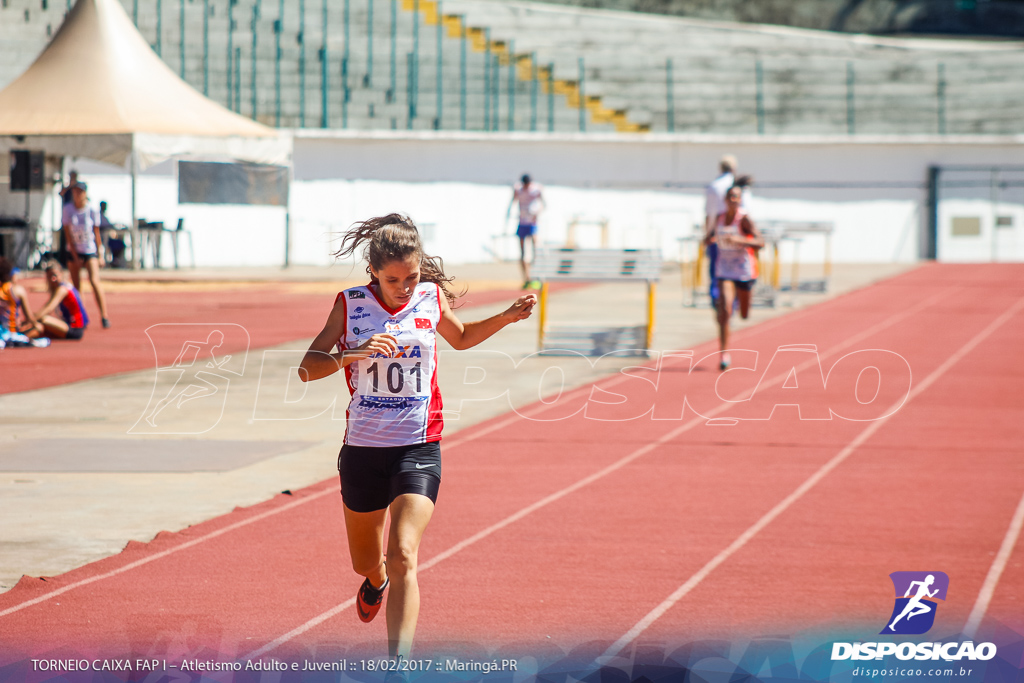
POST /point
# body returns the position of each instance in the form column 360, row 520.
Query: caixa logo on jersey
column 916, row 595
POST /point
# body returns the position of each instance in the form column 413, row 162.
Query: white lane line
column 484, row 533
column 988, row 588
column 165, row 553
column 781, row 507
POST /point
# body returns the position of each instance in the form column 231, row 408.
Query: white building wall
column 649, row 188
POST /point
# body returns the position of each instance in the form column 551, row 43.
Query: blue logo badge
column 914, row 612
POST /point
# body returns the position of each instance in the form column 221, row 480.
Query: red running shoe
column 368, row 600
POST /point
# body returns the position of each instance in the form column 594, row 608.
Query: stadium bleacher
column 482, row 65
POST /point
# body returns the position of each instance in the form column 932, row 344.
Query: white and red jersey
column 395, row 400
column 735, row 261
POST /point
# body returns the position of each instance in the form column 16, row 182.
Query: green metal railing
column 181, row 34
column 390, row 96
column 511, row 86
column 231, row 54
column 206, row 47
column 439, row 79
column 368, row 77
column 159, row 28
column 487, row 79
column 534, row 87
column 278, row 31
column 851, row 122
column 582, row 91
column 838, row 96
column 670, row 98
column 940, row 97
column 325, row 59
column 346, row 94
column 301, row 39
column 255, row 34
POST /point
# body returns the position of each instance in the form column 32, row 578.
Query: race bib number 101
column 394, row 377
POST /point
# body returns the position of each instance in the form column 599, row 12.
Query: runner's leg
column 410, row 514
column 365, row 531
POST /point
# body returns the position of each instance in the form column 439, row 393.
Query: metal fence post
column 390, row 95
column 344, row 91
column 462, row 77
column 850, row 110
column 670, row 99
column 238, row 79
column 941, row 97
column 325, row 58
column 368, row 78
column 551, row 97
column 583, row 101
column 206, row 47
column 159, row 28
column 440, row 68
column 301, row 39
column 533, row 91
column 135, row 12
column 511, row 86
column 346, row 59
column 231, row 53
column 255, row 19
column 278, row 30
column 496, row 83
column 181, row 35
column 759, row 103
column 487, row 79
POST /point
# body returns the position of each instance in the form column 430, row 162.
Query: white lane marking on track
column 319, row 619
column 988, row 588
column 786, row 502
column 165, row 553
column 452, row 444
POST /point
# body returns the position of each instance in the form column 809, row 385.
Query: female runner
column 736, row 267
column 385, row 333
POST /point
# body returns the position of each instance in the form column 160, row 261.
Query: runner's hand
column 384, row 344
column 522, row 308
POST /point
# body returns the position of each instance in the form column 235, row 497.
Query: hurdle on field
column 596, row 265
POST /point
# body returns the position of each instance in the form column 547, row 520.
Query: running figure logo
column 190, row 391
column 914, row 612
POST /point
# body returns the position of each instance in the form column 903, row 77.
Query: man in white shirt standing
column 531, row 203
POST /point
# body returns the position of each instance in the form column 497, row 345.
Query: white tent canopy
column 98, row 91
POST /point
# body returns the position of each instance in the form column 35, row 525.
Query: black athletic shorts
column 75, row 333
column 745, row 285
column 373, row 477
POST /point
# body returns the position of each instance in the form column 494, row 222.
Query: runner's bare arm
column 467, row 335
column 55, row 299
column 754, row 238
column 320, row 361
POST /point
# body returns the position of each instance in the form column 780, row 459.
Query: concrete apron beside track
column 135, row 485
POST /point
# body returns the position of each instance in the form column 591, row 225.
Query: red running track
column 557, row 530
column 270, row 313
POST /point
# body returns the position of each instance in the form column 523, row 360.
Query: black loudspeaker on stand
column 27, row 170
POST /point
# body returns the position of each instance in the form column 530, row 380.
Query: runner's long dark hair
column 394, row 238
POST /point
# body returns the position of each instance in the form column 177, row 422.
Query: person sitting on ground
column 12, row 300
column 63, row 296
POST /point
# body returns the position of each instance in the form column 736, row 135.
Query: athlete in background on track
column 736, row 266
column 529, row 195
column 385, row 334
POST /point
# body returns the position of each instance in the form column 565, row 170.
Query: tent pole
column 134, row 228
